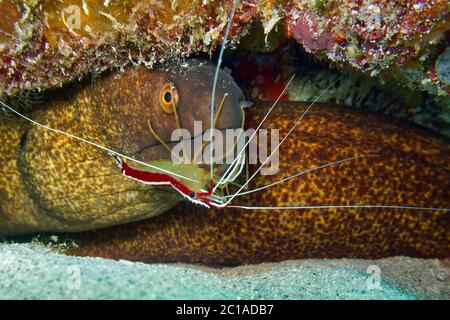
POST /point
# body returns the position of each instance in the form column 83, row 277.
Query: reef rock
column 44, row 44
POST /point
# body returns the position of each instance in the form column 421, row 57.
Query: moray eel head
column 179, row 97
column 144, row 108
column 63, row 184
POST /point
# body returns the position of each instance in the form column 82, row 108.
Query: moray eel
column 397, row 164
column 51, row 182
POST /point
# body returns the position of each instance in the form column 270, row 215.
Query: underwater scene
column 225, row 150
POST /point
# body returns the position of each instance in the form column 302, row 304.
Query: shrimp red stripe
column 154, row 178
column 162, row 179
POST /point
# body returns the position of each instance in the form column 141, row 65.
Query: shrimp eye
column 168, row 98
column 192, row 195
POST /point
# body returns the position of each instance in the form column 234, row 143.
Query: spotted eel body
column 397, row 164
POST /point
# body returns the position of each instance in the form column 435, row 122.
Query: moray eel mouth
column 194, row 168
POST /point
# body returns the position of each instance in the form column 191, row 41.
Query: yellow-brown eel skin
column 397, row 164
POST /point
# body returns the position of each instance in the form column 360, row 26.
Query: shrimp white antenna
column 256, row 130
column 237, row 170
column 296, row 175
column 281, row 142
column 340, row 206
column 216, row 77
column 93, row 143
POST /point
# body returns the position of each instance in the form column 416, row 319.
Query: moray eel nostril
column 50, row 182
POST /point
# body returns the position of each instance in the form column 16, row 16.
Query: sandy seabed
column 34, row 271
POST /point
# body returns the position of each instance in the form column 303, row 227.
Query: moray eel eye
column 168, row 98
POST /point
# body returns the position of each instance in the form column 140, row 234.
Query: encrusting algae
column 44, row 44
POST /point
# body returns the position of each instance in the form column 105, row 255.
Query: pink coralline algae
column 306, row 31
column 376, row 35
